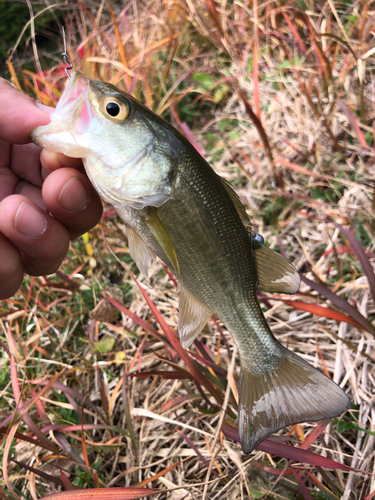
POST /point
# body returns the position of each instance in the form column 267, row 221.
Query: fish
column 175, row 207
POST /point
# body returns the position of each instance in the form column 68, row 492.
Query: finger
column 72, row 200
column 8, row 179
column 31, row 192
column 42, row 240
column 19, row 115
column 53, row 161
column 10, row 268
column 25, row 163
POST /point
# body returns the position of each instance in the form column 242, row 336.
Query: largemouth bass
column 177, row 208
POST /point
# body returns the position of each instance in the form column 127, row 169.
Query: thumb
column 19, row 114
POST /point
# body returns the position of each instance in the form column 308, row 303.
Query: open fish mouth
column 71, row 118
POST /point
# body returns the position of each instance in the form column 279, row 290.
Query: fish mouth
column 71, row 119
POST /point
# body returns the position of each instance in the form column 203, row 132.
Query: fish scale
column 176, row 207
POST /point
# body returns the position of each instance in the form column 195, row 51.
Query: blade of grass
column 314, row 434
column 69, row 450
column 37, row 472
column 353, row 122
column 112, row 399
column 362, row 257
column 120, row 45
column 80, row 427
column 370, row 496
column 143, row 324
column 167, row 375
column 25, row 415
column 322, row 311
column 271, row 470
column 299, row 455
column 340, row 303
column 349, row 344
column 297, row 168
column 194, row 447
column 289, row 452
column 210, row 364
column 261, row 132
column 103, row 494
column 84, row 450
column 192, row 364
column 103, row 391
column 364, row 489
column 67, row 484
column 329, row 481
column 28, row 439
column 256, row 95
column 321, row 486
column 321, row 58
column 140, row 412
column 179, row 400
column 305, row 492
column 6, row 450
column 156, row 476
column 220, row 424
column 128, row 417
column 295, row 33
column 210, row 4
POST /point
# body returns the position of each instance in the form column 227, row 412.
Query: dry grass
column 280, row 98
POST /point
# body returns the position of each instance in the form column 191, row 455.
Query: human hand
column 45, row 197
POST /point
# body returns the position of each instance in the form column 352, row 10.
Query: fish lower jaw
column 61, row 142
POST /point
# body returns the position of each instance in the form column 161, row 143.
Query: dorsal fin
column 192, row 317
column 275, row 272
column 237, row 203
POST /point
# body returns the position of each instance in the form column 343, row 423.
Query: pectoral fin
column 192, row 318
column 275, row 272
column 161, row 234
column 140, row 252
column 286, row 392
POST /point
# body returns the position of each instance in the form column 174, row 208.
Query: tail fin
column 291, row 391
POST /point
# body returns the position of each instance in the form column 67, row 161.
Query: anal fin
column 140, row 252
column 192, row 318
column 275, row 272
column 288, row 391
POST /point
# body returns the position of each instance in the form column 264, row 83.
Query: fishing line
column 65, row 56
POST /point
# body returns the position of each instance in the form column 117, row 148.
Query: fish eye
column 114, row 109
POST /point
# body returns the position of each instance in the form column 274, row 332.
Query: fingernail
column 45, row 108
column 74, row 196
column 29, row 221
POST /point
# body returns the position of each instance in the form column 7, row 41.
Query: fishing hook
column 65, row 57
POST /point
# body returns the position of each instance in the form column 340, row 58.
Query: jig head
column 65, row 56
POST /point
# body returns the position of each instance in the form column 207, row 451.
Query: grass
column 279, row 98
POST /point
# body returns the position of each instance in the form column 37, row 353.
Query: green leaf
column 348, row 426
column 220, row 93
column 105, row 345
column 318, row 495
column 207, row 81
column 287, row 64
column 255, row 492
column 233, row 135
